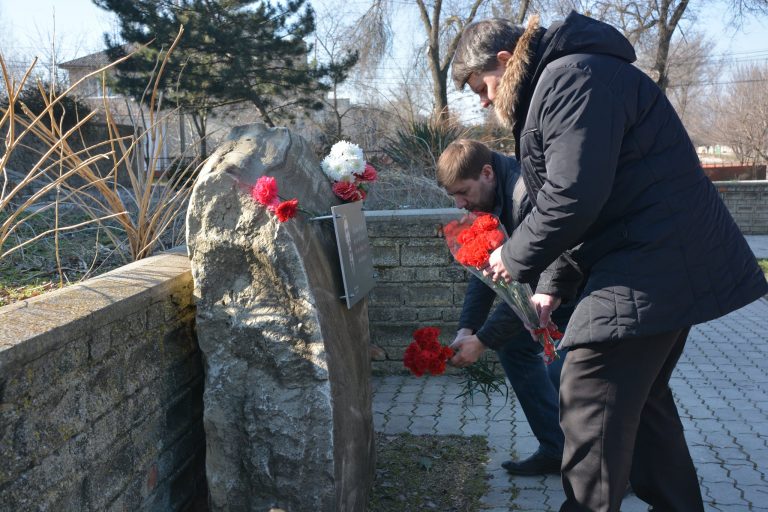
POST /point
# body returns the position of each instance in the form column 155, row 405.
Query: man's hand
column 495, row 269
column 545, row 306
column 468, row 348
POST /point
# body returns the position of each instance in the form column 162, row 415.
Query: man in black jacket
column 618, row 190
column 481, row 180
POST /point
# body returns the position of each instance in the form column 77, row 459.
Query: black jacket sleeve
column 561, row 279
column 503, row 325
column 492, row 331
column 581, row 126
column 477, row 304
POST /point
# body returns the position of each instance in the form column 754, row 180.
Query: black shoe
column 536, row 464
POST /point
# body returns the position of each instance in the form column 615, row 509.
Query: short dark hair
column 478, row 46
column 462, row 159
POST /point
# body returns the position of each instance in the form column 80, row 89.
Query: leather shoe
column 536, row 464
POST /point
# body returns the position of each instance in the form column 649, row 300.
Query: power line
column 728, row 82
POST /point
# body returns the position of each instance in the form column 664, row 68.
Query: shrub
column 36, row 99
column 416, row 147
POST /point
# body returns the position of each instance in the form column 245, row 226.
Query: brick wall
column 734, row 172
column 418, row 284
column 101, row 394
column 748, row 203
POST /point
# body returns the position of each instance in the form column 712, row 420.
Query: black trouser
column 621, row 424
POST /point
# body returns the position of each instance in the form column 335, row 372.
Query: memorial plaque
column 354, row 251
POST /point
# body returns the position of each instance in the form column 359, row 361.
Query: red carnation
column 493, row 239
column 425, row 354
column 486, row 222
column 473, row 254
column 348, row 191
column 466, row 236
column 450, row 229
column 426, row 334
column 368, row 174
column 265, row 191
column 287, row 210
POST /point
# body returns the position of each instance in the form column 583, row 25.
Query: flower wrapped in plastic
column 471, row 241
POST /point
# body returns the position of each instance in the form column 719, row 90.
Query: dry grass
column 418, row 473
column 133, row 220
column 394, row 190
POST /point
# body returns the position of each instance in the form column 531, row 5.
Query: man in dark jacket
column 618, row 190
column 481, row 180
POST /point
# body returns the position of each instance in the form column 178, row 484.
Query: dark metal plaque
column 354, row 251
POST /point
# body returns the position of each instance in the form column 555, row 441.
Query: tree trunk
column 440, row 90
column 199, row 119
column 263, row 111
column 524, row 5
column 662, row 57
column 667, row 26
column 338, row 115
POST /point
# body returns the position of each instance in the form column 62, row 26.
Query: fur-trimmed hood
column 538, row 47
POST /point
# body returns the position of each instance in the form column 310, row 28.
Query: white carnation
column 344, row 160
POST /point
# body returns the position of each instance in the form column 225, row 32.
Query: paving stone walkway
column 758, row 244
column 721, row 388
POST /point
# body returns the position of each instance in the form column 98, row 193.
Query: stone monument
column 287, row 398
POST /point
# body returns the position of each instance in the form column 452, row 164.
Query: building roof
column 93, row 60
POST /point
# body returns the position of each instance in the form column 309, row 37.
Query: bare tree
column 691, row 71
column 743, row 114
column 446, row 34
column 331, row 47
column 652, row 24
column 443, row 24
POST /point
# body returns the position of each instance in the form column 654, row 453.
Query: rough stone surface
column 747, row 202
column 287, row 395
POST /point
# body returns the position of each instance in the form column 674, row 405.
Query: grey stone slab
column 723, row 493
column 531, row 499
column 500, row 499
column 402, row 409
column 426, row 409
column 397, row 424
column 407, row 397
column 758, row 244
column 474, row 429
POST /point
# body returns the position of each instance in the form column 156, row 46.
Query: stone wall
column 418, row 284
column 748, row 203
column 101, row 394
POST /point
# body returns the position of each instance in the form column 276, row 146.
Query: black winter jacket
column 510, row 207
column 617, row 186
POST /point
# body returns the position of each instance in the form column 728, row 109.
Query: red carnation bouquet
column 425, row 354
column 471, row 241
column 264, row 192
